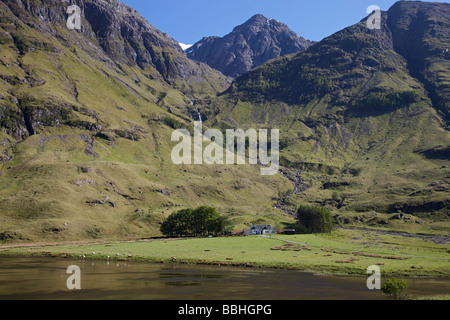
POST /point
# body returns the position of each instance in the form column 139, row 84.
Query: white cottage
column 260, row 230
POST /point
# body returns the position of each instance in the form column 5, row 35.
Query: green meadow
column 344, row 251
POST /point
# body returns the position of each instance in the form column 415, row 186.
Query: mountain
column 420, row 34
column 87, row 116
column 86, row 120
column 363, row 116
column 249, row 45
column 132, row 53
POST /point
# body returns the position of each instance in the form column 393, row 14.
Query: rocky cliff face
column 35, row 39
column 421, row 35
column 248, row 46
column 122, row 33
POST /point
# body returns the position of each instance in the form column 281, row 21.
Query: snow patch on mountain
column 185, row 46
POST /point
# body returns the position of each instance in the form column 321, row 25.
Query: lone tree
column 198, row 222
column 315, row 219
column 395, row 288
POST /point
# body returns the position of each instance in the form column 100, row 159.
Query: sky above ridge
column 187, row 21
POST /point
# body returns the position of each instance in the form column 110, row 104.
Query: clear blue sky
column 187, row 21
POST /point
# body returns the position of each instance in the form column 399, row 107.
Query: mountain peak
column 258, row 18
column 262, row 21
column 249, row 45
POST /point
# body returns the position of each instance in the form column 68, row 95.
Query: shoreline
column 343, row 268
column 221, row 264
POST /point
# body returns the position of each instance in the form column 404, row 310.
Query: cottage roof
column 262, row 227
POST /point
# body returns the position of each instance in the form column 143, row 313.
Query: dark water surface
column 45, row 279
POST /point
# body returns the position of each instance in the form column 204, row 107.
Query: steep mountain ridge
column 111, row 33
column 249, row 45
column 356, row 121
column 420, row 35
column 121, row 32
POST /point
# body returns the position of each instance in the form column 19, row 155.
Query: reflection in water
column 40, row 279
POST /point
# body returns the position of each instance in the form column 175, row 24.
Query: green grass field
column 342, row 252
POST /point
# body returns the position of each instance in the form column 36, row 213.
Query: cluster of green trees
column 200, row 222
column 205, row 221
column 312, row 219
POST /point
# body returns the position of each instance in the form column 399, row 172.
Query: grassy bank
column 342, row 252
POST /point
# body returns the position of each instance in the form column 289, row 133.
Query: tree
column 395, row 288
column 178, row 224
column 198, row 222
column 315, row 219
column 203, row 218
column 220, row 225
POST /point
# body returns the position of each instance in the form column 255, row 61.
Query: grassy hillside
column 86, row 141
column 361, row 133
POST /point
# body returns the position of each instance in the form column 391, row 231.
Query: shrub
column 174, row 124
column 20, row 43
column 315, row 219
column 356, row 172
column 336, row 196
column 395, row 288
